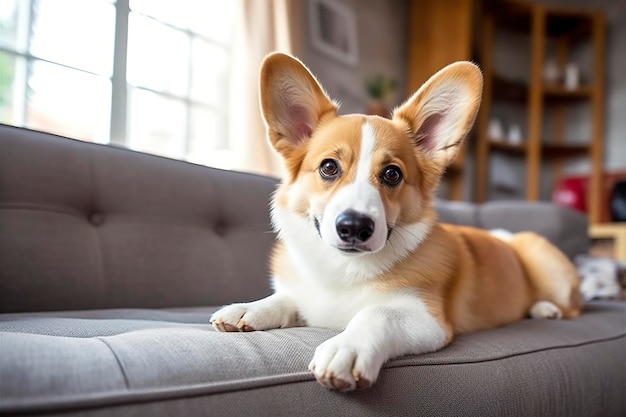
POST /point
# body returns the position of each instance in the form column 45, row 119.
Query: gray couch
column 112, row 261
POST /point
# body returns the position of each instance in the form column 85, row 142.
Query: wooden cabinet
column 555, row 37
column 440, row 33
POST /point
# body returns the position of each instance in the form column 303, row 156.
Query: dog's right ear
column 292, row 102
column 440, row 114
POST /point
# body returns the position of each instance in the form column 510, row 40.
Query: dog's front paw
column 269, row 313
column 345, row 365
column 236, row 318
column 233, row 318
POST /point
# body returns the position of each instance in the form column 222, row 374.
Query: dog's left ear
column 292, row 102
column 442, row 111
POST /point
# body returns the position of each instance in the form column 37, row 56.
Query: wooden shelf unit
column 566, row 28
column 613, row 231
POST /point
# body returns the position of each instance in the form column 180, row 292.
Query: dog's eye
column 391, row 175
column 329, row 169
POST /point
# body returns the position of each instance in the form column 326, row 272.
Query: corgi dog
column 359, row 248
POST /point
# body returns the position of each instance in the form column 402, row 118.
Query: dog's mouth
column 352, row 250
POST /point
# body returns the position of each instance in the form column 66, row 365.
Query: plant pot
column 378, row 108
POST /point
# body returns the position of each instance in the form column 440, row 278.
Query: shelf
column 548, row 150
column 516, row 16
column 509, row 90
column 518, row 91
column 556, row 92
column 508, row 147
column 511, row 15
column 567, row 22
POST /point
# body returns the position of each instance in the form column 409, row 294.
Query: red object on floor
column 571, row 192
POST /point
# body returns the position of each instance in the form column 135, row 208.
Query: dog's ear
column 292, row 101
column 442, row 111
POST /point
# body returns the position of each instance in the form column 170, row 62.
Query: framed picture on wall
column 333, row 30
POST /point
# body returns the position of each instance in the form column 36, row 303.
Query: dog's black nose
column 354, row 227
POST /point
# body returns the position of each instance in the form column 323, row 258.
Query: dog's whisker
column 406, row 230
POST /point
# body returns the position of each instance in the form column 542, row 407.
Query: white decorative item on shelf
column 495, row 130
column 514, row 135
column 572, row 77
column 551, row 72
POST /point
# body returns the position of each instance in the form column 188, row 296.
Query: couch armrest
column 566, row 228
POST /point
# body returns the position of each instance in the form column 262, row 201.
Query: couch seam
column 42, row 208
column 119, row 362
column 99, row 253
column 510, row 355
column 119, row 218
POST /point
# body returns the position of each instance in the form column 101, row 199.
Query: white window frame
column 120, row 88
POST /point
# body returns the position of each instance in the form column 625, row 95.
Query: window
column 148, row 74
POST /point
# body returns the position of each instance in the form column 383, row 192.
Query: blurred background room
column 179, row 79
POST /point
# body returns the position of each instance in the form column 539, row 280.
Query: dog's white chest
column 329, row 307
column 333, row 306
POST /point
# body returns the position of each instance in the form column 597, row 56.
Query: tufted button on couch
column 112, row 261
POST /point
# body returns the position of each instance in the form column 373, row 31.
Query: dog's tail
column 554, row 278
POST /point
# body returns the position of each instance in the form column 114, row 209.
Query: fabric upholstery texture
column 112, row 261
column 566, row 228
column 165, row 355
column 125, row 229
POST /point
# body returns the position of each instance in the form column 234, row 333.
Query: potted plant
column 378, row 89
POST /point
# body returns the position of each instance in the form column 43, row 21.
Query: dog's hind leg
column 545, row 310
column 552, row 275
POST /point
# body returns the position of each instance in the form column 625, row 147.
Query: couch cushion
column 171, row 362
column 457, row 212
column 164, row 233
column 565, row 228
column 562, row 226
